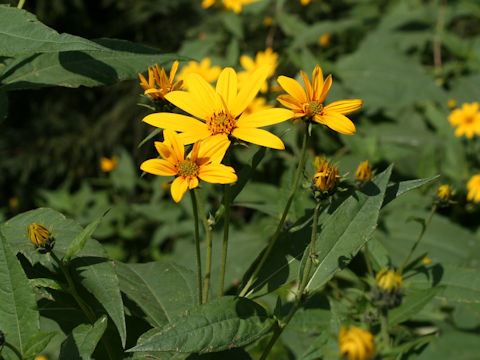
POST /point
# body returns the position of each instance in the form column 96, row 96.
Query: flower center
column 187, row 168
column 468, row 119
column 312, row 108
column 221, row 124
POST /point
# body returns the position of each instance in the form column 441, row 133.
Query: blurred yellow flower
column 267, row 21
column 356, row 343
column 158, row 84
column 107, row 164
column 466, row 119
column 267, row 58
column 204, row 69
column 41, row 357
column 364, row 172
column 451, row 103
column 38, row 234
column 309, row 103
column 389, row 280
column 444, row 192
column 236, row 5
column 203, row 162
column 326, row 178
column 324, row 40
column 257, row 104
column 13, row 202
column 207, row 3
column 473, row 187
column 426, row 261
column 220, row 110
column 305, row 2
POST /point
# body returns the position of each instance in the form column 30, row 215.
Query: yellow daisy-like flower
column 444, row 193
column 207, row 3
column 204, row 69
column 466, row 119
column 389, row 280
column 305, row 2
column 220, row 110
column 473, row 187
column 309, row 102
column 38, row 234
column 266, row 58
column 324, row 40
column 326, row 178
column 236, row 5
column 203, row 162
column 356, row 343
column 364, row 171
column 159, row 84
column 107, row 164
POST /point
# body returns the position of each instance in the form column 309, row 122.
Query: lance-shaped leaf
column 411, row 305
column 37, row 343
column 218, row 325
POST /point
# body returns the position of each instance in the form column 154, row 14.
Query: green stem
column 20, row 4
column 384, row 328
column 227, row 199
column 208, row 232
column 420, row 236
column 298, row 300
column 14, row 349
column 276, row 235
column 197, row 246
column 366, row 254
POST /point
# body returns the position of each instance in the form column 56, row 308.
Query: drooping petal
column 175, row 142
column 192, row 182
column 308, row 85
column 317, row 81
column 204, row 92
column 344, row 107
column 175, row 122
column 217, row 174
column 326, row 89
column 178, row 188
column 289, row 102
column 227, row 86
column 165, row 151
column 265, row 117
column 249, row 90
column 212, row 149
column 188, row 103
column 173, row 71
column 158, row 167
column 292, row 87
column 259, row 137
column 337, row 122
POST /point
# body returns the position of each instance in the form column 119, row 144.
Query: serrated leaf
column 38, row 342
column 45, row 282
column 411, row 305
column 162, row 291
column 81, row 343
column 19, row 317
column 395, row 190
column 218, row 325
column 80, row 240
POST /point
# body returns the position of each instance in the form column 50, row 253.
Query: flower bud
column 41, row 237
column 364, row 172
column 356, row 343
column 444, row 193
column 389, row 280
column 325, row 179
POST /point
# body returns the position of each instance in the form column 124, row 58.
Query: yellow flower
column 305, row 2
column 444, row 193
column 41, row 357
column 257, row 104
column 324, row 40
column 204, row 69
column 207, row 3
column 466, row 119
column 13, row 202
column 220, row 110
column 326, row 178
column 158, row 84
column 356, row 343
column 236, row 5
column 266, row 58
column 309, row 103
column 426, row 260
column 364, row 172
column 41, row 237
column 389, row 280
column 203, row 162
column 473, row 187
column 107, row 164
column 451, row 103
column 267, row 21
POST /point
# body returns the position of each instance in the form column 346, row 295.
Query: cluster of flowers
column 236, row 5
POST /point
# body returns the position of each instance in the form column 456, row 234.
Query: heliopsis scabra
column 466, row 119
column 204, row 69
column 262, row 58
column 356, row 343
column 309, row 102
column 473, row 187
column 220, row 110
column 203, row 163
column 159, row 84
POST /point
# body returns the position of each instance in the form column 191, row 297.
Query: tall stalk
column 226, row 201
column 197, row 246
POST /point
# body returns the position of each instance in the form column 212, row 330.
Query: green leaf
column 22, row 33
column 46, row 282
column 81, row 343
column 411, row 305
column 453, row 344
column 162, row 291
column 121, row 60
column 218, row 325
column 79, row 242
column 98, row 276
column 19, row 318
column 395, row 190
column 38, row 342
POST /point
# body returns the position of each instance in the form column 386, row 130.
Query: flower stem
column 197, row 246
column 208, row 232
column 298, row 299
column 420, row 236
column 20, row 4
column 384, row 328
column 276, row 235
column 227, row 199
column 14, row 349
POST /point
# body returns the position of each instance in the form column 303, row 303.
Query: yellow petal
column 247, row 62
column 308, row 85
column 175, row 142
column 290, row 102
column 165, row 151
column 344, row 107
column 175, row 122
column 204, row 92
column 178, row 188
column 191, row 137
column 264, row 118
column 227, row 86
column 173, row 71
column 317, row 80
column 213, row 149
column 158, row 167
column 292, row 87
column 192, row 182
column 217, row 174
column 259, row 137
column 337, row 122
column 188, row 103
column 326, row 89
column 249, row 90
